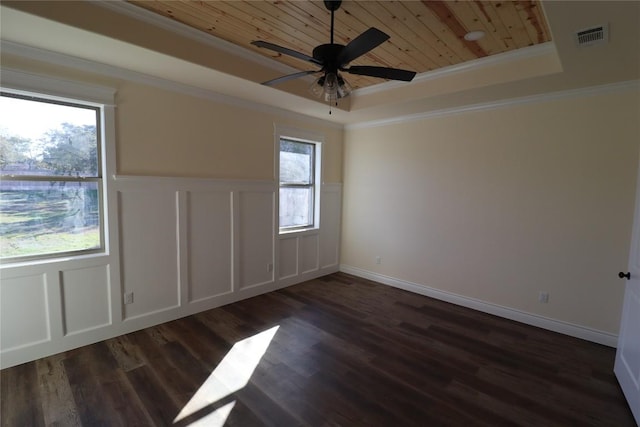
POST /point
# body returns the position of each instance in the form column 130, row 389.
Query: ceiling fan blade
column 286, row 51
column 290, row 77
column 362, row 44
column 382, row 72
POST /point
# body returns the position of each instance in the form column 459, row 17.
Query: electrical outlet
column 269, row 268
column 543, row 297
column 128, row 298
column 378, row 260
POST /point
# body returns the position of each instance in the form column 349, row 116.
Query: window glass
column 50, row 188
column 296, row 162
column 297, row 184
column 296, row 207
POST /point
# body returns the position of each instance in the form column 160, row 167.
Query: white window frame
column 307, row 137
column 101, row 98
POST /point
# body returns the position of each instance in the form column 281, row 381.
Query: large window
column 51, row 177
column 298, row 184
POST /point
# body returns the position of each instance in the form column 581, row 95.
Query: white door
column 627, row 366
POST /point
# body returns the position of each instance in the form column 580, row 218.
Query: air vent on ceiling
column 593, row 35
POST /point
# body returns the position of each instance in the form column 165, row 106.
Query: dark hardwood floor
column 346, row 352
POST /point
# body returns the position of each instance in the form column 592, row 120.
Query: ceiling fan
column 333, row 58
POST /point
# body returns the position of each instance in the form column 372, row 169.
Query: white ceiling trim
column 473, row 65
column 144, row 15
column 80, row 64
column 86, row 65
column 63, row 90
column 546, row 97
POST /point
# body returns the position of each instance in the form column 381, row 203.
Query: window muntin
column 297, row 184
column 51, row 178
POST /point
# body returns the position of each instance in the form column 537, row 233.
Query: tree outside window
column 51, row 178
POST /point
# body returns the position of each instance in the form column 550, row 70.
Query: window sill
column 298, row 232
column 6, row 265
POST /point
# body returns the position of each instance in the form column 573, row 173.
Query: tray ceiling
column 425, row 35
column 119, row 37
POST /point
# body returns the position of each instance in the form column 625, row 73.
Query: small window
column 51, row 178
column 298, row 192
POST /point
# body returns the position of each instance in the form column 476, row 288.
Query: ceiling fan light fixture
column 317, row 87
column 344, row 88
column 330, row 87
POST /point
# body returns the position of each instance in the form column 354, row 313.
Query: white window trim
column 24, row 83
column 311, row 138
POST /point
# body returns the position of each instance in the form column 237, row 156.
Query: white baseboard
column 554, row 325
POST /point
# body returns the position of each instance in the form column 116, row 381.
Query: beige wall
column 166, row 133
column 501, row 204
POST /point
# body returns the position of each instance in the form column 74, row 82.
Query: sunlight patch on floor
column 231, row 375
column 216, row 418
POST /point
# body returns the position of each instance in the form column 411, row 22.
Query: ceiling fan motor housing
column 328, row 55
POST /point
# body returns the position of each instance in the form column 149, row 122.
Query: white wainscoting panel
column 184, row 245
column 209, row 220
column 309, row 253
column 256, row 238
column 312, row 253
column 86, row 301
column 288, row 254
column 149, row 250
column 330, row 216
column 24, row 314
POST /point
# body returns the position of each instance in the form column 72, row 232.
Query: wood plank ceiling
column 425, row 35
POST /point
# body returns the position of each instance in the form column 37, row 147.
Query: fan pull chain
column 330, row 106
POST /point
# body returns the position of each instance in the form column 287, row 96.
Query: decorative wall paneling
column 47, row 308
column 309, row 254
column 425, row 35
column 186, row 245
column 330, row 226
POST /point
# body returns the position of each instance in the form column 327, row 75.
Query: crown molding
column 56, row 58
column 140, row 14
column 469, row 66
column 80, row 64
column 545, row 97
column 17, row 81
